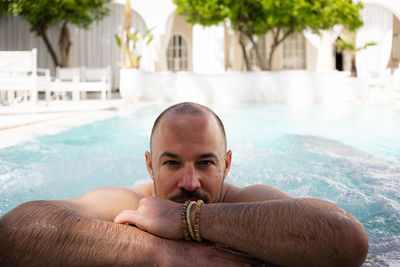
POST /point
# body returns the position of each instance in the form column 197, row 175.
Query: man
column 144, row 225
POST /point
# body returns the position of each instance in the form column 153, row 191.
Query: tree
column 42, row 15
column 250, row 18
column 348, row 44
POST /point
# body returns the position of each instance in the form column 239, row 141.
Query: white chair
column 97, row 79
column 19, row 75
column 81, row 80
column 67, row 80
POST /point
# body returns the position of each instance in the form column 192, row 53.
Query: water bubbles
column 345, row 156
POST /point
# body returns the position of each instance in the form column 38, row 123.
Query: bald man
column 165, row 223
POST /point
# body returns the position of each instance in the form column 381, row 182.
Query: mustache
column 185, row 194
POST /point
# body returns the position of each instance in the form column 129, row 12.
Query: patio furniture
column 20, row 79
column 97, row 80
column 80, row 80
column 67, row 80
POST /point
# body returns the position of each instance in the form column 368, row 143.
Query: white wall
column 252, row 87
column 208, row 49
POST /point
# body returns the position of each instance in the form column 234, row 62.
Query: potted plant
column 131, row 44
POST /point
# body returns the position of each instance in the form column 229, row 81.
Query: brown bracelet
column 184, row 222
column 197, row 220
column 188, row 218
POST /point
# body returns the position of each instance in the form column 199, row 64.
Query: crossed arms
column 284, row 231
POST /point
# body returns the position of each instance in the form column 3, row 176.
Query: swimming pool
column 349, row 155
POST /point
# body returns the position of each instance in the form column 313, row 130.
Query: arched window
column 294, row 52
column 177, row 54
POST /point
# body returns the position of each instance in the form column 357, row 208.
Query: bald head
column 191, row 109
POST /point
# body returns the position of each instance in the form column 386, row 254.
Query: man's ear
column 228, row 160
column 149, row 164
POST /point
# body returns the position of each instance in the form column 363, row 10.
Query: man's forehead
column 176, row 125
column 185, row 130
column 185, row 122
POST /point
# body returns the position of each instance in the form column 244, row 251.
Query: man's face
column 188, row 160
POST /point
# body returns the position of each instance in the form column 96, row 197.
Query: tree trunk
column 43, row 33
column 259, row 58
column 271, row 53
column 275, row 44
column 246, row 59
column 64, row 44
column 353, row 66
column 226, row 47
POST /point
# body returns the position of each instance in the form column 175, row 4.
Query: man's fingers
column 127, row 216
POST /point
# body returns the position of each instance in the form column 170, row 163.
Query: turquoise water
column 349, row 155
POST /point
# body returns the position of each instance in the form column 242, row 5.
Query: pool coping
column 25, row 122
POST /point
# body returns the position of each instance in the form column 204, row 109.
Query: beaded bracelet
column 184, row 222
column 196, row 222
column 188, row 218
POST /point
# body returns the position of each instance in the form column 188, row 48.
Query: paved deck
column 23, row 122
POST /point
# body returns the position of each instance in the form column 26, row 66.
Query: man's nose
column 190, row 179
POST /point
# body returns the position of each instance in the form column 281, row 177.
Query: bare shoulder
column 105, row 203
column 252, row 193
column 145, row 190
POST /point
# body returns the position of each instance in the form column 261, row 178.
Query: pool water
column 348, row 155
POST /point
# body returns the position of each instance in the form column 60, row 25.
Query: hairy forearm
column 289, row 232
column 44, row 233
column 54, row 233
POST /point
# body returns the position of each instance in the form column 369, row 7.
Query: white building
column 180, row 47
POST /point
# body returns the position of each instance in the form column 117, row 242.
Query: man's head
column 188, row 158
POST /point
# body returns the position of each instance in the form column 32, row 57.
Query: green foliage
column 8, row 7
column 261, row 15
column 324, row 14
column 348, row 45
column 281, row 17
column 118, row 40
column 344, row 44
column 43, row 14
column 130, row 52
column 204, row 12
column 46, row 13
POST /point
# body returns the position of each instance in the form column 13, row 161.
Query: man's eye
column 206, row 162
column 170, row 163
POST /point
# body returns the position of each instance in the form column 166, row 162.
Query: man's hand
column 157, row 216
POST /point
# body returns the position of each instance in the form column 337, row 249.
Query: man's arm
column 45, row 233
column 290, row 232
column 284, row 231
column 48, row 233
